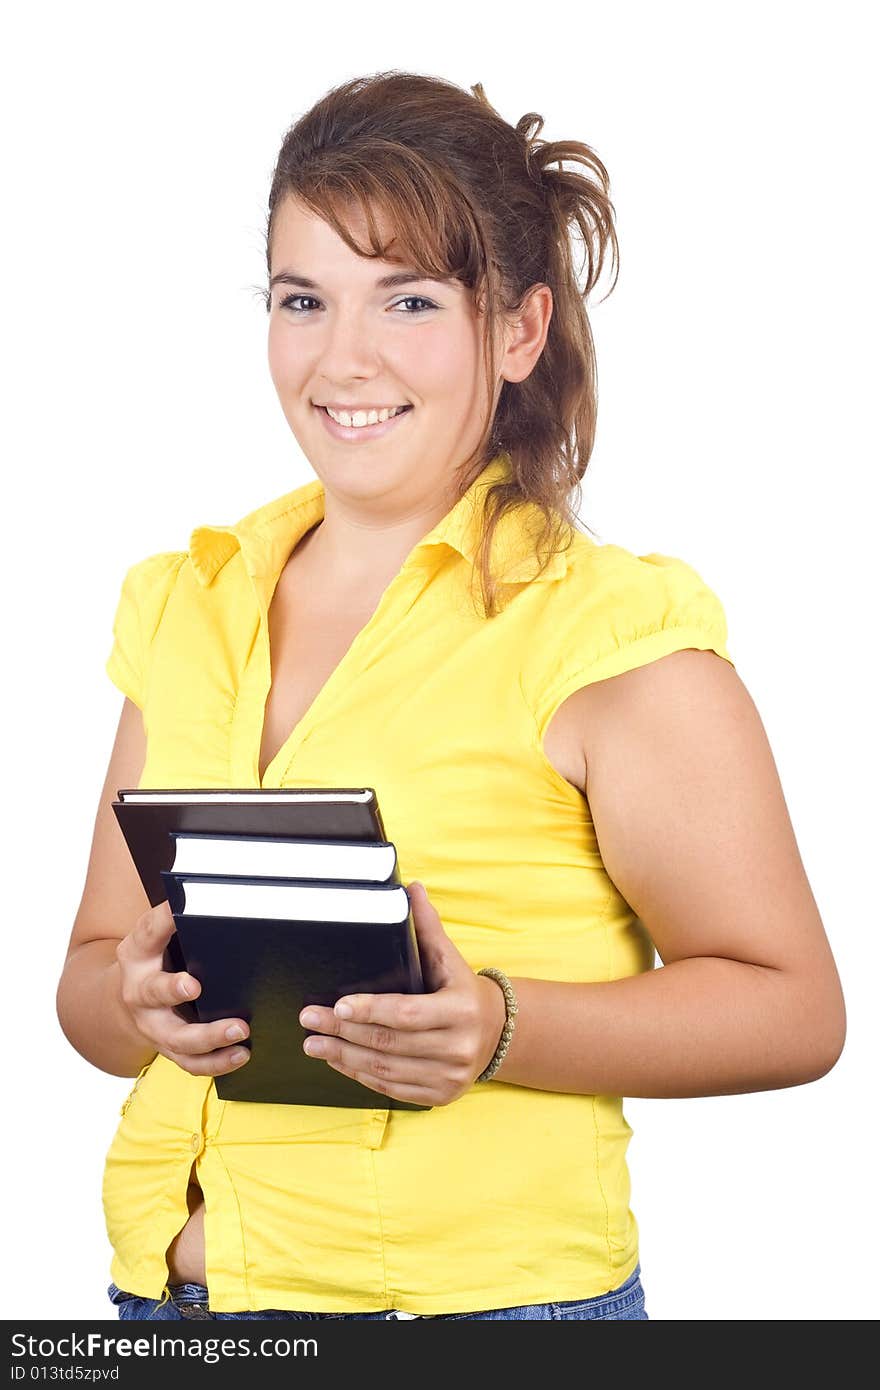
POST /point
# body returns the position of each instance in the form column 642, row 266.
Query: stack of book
column 281, row 898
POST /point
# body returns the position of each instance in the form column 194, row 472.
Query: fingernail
column 240, row 1054
column 342, row 1010
column 235, row 1034
column 309, row 1018
column 183, row 989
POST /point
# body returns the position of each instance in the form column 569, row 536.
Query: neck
column 357, row 550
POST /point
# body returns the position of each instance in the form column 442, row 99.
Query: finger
column 196, row 1039
column 419, row 1095
column 211, row 1063
column 404, row 1012
column 151, row 933
column 433, row 1042
column 165, row 989
column 425, row 1073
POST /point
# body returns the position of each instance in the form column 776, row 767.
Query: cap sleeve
column 627, row 611
column 144, row 594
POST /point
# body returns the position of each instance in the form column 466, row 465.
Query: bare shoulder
column 690, row 815
column 683, row 725
column 683, row 683
column 581, row 728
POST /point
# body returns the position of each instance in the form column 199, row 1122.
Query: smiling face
column 347, row 340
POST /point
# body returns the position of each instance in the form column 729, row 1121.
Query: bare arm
column 89, row 1004
column 113, row 978
column 694, row 831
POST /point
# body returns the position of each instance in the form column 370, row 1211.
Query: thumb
column 153, row 930
column 440, row 958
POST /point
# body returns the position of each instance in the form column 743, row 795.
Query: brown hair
column 468, row 194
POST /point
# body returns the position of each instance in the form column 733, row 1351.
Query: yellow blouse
column 509, row 1195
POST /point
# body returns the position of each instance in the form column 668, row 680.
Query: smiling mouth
column 361, row 434
column 361, row 419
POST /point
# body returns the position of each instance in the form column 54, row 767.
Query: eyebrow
column 387, row 282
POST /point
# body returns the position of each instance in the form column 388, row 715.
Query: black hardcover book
column 264, row 967
column 146, row 816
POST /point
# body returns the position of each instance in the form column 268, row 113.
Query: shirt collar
column 267, row 535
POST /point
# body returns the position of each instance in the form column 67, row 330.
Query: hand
column 150, row 993
column 426, row 1048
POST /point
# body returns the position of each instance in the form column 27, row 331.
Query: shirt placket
column 382, row 627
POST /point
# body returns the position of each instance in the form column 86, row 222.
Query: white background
column 737, row 430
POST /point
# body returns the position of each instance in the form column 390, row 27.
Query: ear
column 525, row 333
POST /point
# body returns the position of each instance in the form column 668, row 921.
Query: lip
column 357, row 434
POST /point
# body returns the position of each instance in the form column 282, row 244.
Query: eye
column 415, row 299
column 287, row 302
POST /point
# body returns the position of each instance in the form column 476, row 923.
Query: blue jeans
column 625, row 1303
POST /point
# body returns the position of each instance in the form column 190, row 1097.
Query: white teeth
column 363, row 417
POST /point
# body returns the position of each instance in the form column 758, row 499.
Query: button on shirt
column 510, row 1194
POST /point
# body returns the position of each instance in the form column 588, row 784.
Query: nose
column 350, row 351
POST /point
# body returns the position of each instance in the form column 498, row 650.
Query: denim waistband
column 191, row 1301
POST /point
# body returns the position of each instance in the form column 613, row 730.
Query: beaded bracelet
column 511, row 1008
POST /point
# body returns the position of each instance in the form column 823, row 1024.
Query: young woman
column 571, row 769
